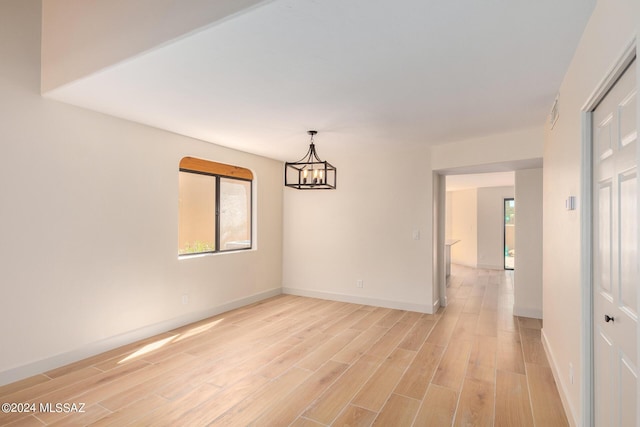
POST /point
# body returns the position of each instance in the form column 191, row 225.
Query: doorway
column 509, row 240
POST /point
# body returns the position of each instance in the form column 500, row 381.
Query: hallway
column 507, row 380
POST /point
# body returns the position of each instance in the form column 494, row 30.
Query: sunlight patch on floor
column 148, row 349
column 198, row 330
column 173, row 338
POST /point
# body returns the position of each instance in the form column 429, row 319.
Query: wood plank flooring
column 300, row 361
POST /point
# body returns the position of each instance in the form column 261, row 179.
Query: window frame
column 217, row 171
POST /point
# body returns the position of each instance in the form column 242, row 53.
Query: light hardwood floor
column 306, row 362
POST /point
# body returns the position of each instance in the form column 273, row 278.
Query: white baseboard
column 562, row 390
column 399, row 305
column 92, row 349
column 527, row 312
column 491, row 267
column 464, row 264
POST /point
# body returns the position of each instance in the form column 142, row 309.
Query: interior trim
column 627, row 56
column 215, row 168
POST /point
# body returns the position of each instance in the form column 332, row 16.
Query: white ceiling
column 358, row 71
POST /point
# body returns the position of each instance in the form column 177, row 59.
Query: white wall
column 475, row 217
column 491, row 226
column 88, row 219
column 505, row 151
column 527, row 275
column 464, row 226
column 610, row 29
column 364, row 230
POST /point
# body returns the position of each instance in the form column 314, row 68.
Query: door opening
column 509, row 240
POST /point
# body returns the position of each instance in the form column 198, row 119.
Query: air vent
column 555, row 112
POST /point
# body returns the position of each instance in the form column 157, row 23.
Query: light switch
column 570, row 203
column 416, row 234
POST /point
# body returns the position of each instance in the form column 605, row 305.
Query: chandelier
column 310, row 173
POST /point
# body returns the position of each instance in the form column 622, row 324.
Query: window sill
column 206, row 254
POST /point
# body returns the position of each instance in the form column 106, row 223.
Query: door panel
column 628, row 241
column 628, row 381
column 603, row 244
column 604, row 137
column 627, row 114
column 605, row 354
column 615, row 254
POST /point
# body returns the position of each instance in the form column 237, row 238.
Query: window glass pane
column 235, row 214
column 509, row 211
column 197, row 213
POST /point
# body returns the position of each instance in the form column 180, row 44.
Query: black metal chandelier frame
column 310, row 172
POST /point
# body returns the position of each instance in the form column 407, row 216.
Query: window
column 214, row 207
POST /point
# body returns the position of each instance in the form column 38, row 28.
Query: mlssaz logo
column 64, row 408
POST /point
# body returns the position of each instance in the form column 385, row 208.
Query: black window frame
column 217, row 213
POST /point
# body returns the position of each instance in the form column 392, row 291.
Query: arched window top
column 214, row 168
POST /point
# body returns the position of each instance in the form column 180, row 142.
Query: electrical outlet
column 185, row 299
column 359, row 283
